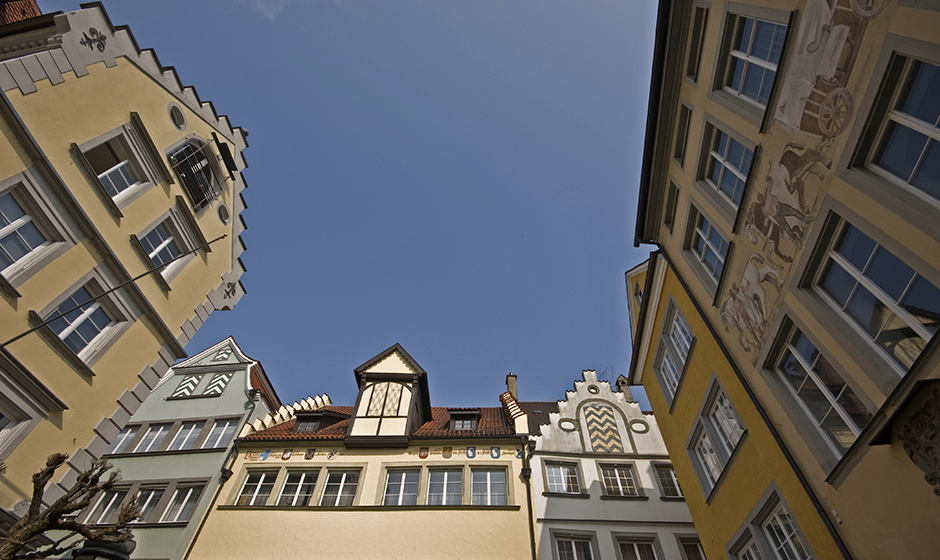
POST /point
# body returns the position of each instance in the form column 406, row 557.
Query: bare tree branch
column 89, row 484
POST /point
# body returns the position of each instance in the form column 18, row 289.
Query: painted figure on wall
column 746, row 307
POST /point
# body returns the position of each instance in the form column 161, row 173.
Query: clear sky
column 458, row 176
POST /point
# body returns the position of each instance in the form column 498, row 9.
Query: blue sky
column 456, row 176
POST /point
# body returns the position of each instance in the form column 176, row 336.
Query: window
column 728, row 163
column 220, row 434
column 754, row 49
column 672, row 200
column 692, row 550
column 771, row 533
column 153, row 437
column 182, row 505
column 19, row 234
column 675, row 345
column 888, row 302
column 488, row 487
column 708, row 245
column 82, row 320
column 638, row 294
column 161, row 243
column 147, row 500
column 825, row 396
column 717, row 434
column 123, row 440
column 668, row 482
column 258, row 486
column 107, row 508
column 637, row 550
column 385, row 399
column 340, row 489
column 463, row 424
column 192, row 163
column 784, row 536
column 298, row 489
column 682, row 133
column 562, row 478
column 115, row 166
column 401, row 487
column 445, row 487
column 620, row 481
column 697, row 37
column 908, row 146
column 185, row 438
column 573, row 549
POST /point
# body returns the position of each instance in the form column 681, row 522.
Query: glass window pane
column 900, row 149
column 837, row 282
column 919, row 98
column 855, row 246
column 923, row 303
column 889, row 273
column 927, row 176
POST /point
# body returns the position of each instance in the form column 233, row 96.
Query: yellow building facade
column 785, row 326
column 109, row 167
column 428, row 482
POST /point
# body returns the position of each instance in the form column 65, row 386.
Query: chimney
column 511, row 385
column 624, row 387
column 12, row 11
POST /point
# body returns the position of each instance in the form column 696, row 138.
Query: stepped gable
column 537, row 413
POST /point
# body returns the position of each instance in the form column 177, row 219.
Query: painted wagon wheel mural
column 835, row 112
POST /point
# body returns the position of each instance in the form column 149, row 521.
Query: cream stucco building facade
column 109, row 167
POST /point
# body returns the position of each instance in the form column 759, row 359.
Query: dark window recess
column 196, row 174
column 682, row 134
column 669, row 216
column 695, row 43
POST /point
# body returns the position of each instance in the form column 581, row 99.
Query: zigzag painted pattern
column 602, row 427
column 218, row 383
column 187, row 386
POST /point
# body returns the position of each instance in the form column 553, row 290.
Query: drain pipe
column 528, row 447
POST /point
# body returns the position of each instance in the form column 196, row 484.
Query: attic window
column 306, row 425
column 464, row 420
column 537, row 412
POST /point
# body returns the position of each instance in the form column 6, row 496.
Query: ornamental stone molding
column 920, row 436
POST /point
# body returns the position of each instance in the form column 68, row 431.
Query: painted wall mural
column 814, row 107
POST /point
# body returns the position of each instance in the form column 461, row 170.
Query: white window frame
column 148, row 508
column 187, row 173
column 212, row 440
column 344, row 483
column 668, row 469
column 449, row 474
column 575, row 553
column 700, row 226
column 676, row 343
column 757, row 539
column 14, row 227
column 189, row 431
column 559, row 478
column 893, row 114
column 305, row 475
column 267, row 477
column 123, row 440
column 635, row 544
column 490, row 495
column 862, row 280
column 139, row 160
column 398, row 494
column 713, row 156
column 734, row 21
column 787, row 349
column 108, row 515
column 193, row 493
column 617, row 487
column 147, row 444
column 718, row 433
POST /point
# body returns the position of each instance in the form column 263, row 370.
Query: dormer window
column 464, row 420
column 317, row 421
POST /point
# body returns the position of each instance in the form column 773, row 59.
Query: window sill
column 214, row 395
column 672, row 498
column 371, row 508
column 157, row 453
column 151, row 525
column 580, row 495
column 627, row 498
column 52, row 338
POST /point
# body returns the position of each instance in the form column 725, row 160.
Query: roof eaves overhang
column 642, row 333
column 665, row 83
